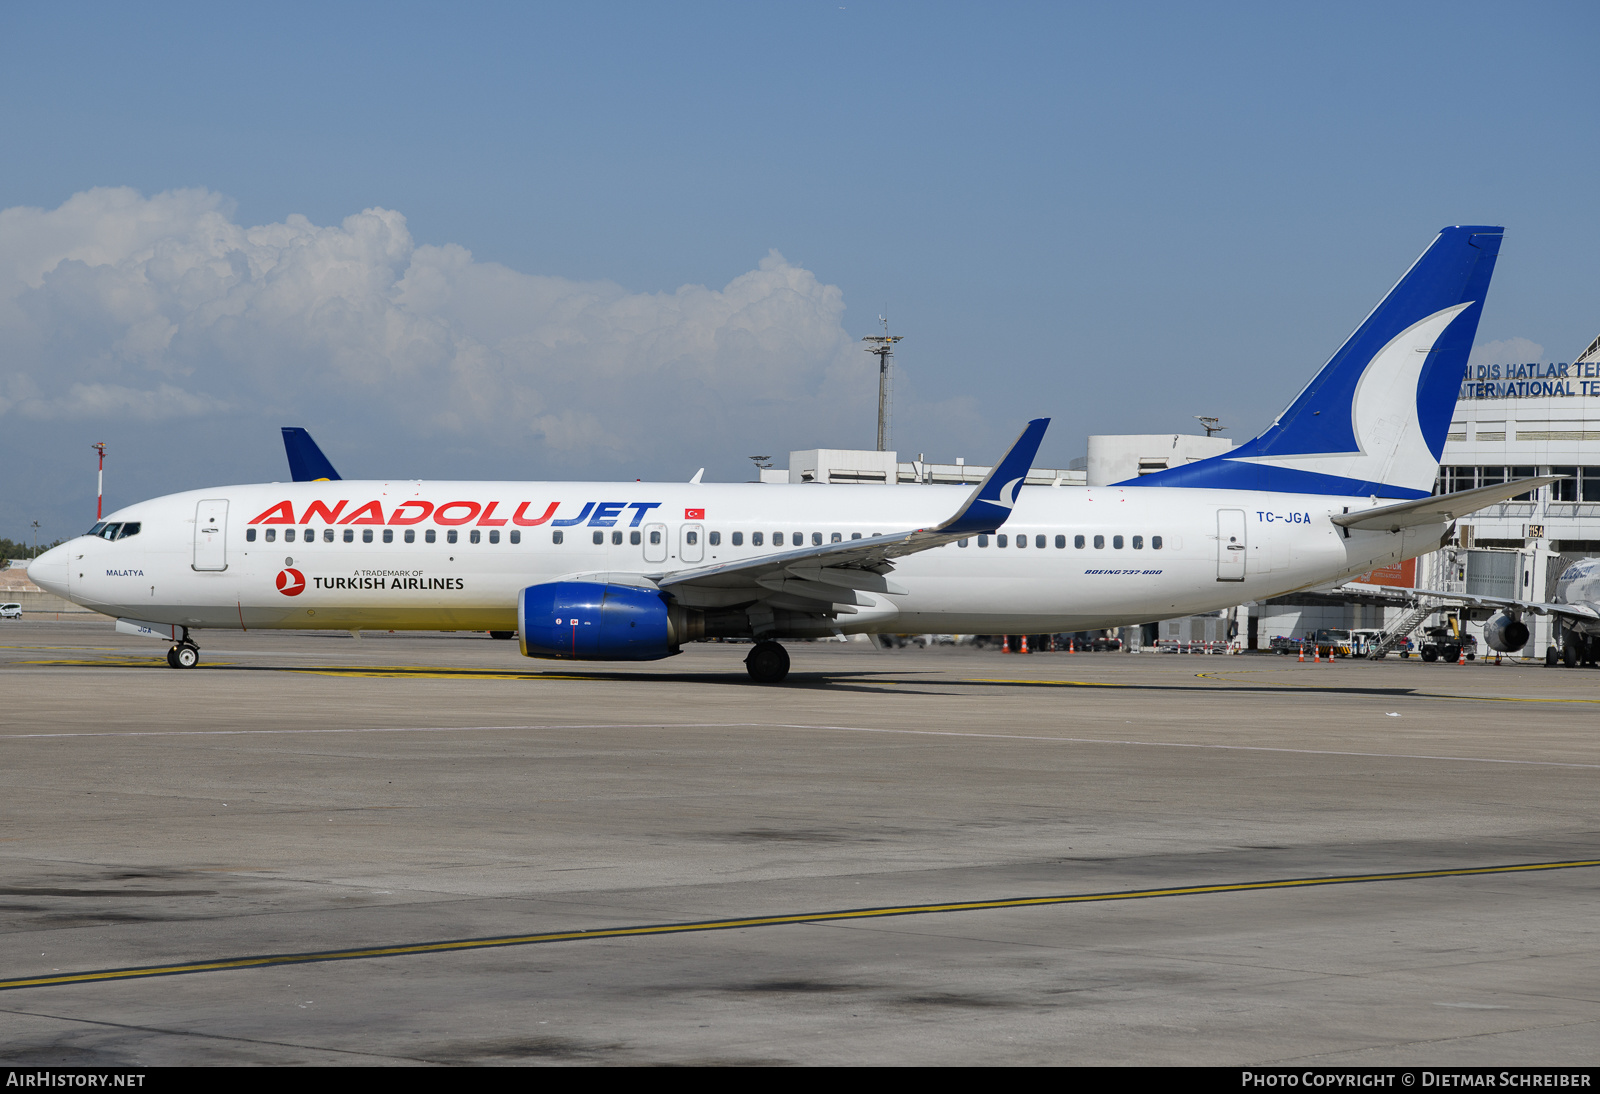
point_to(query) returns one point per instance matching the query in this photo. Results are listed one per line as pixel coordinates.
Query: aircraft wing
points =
(1569, 611)
(827, 578)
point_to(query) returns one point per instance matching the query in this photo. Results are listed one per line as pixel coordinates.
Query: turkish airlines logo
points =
(291, 582)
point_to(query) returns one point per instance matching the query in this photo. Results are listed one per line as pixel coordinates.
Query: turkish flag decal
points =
(694, 514)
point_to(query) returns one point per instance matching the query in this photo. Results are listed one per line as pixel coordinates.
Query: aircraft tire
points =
(1551, 656)
(767, 663)
(184, 656)
(1569, 651)
(172, 658)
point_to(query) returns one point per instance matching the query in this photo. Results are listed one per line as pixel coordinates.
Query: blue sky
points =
(1117, 215)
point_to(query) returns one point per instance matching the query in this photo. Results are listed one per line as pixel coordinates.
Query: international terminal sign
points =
(1534, 380)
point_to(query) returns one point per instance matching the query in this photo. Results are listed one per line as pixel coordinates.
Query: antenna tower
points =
(1212, 425)
(100, 480)
(883, 346)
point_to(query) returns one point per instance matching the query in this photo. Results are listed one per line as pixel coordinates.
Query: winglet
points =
(990, 504)
(306, 461)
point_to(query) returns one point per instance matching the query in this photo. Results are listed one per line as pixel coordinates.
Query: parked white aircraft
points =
(1576, 609)
(1337, 486)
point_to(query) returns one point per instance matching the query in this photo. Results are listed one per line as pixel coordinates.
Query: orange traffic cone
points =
(1024, 643)
(1005, 643)
(1302, 653)
(1316, 653)
(1072, 645)
(1462, 659)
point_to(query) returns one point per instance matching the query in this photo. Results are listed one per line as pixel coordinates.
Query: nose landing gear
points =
(768, 663)
(185, 654)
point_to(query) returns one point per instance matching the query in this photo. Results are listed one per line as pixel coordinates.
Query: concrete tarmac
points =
(314, 792)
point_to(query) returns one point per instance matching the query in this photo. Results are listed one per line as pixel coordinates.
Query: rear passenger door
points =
(1230, 545)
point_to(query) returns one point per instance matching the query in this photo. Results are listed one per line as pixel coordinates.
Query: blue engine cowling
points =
(595, 621)
(1505, 634)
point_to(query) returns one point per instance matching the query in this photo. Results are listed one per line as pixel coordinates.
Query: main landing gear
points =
(768, 663)
(185, 654)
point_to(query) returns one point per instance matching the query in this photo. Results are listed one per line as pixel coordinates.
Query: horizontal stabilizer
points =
(1437, 510)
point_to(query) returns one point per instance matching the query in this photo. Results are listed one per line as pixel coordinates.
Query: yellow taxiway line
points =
(843, 915)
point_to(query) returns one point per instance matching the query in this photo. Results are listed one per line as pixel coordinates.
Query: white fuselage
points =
(197, 563)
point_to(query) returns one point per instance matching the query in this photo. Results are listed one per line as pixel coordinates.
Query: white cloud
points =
(164, 308)
(1515, 351)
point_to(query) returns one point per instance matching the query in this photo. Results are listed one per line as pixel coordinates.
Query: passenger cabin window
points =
(1116, 543)
(777, 539)
(450, 536)
(557, 536)
(429, 536)
(288, 535)
(1099, 543)
(755, 539)
(1138, 543)
(1061, 542)
(855, 535)
(983, 541)
(714, 538)
(388, 535)
(411, 535)
(616, 538)
(249, 535)
(633, 537)
(1001, 540)
(494, 535)
(655, 538)
(516, 536)
(475, 536)
(272, 535)
(691, 537)
(962, 542)
(1038, 541)
(366, 535)
(1155, 543)
(599, 538)
(738, 539)
(349, 535)
(836, 538)
(1078, 542)
(327, 535)
(816, 539)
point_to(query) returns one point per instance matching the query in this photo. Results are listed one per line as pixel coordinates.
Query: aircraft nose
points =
(50, 571)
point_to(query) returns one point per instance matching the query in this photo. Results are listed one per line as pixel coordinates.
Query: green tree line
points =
(10, 549)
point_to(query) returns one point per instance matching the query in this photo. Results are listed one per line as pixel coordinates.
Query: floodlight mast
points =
(100, 483)
(883, 346)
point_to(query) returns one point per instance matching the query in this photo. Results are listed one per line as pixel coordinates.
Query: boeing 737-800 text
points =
(1338, 485)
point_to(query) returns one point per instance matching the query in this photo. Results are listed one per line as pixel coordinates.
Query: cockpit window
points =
(131, 528)
(110, 531)
(95, 531)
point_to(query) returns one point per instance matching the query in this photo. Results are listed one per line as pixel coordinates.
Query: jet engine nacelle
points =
(600, 621)
(1505, 634)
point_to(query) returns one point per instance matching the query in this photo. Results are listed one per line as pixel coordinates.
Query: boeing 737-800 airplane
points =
(1338, 485)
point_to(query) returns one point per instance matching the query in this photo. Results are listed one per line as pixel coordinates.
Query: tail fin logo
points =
(1384, 415)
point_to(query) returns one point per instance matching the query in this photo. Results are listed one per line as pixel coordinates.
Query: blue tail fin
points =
(306, 461)
(1373, 421)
